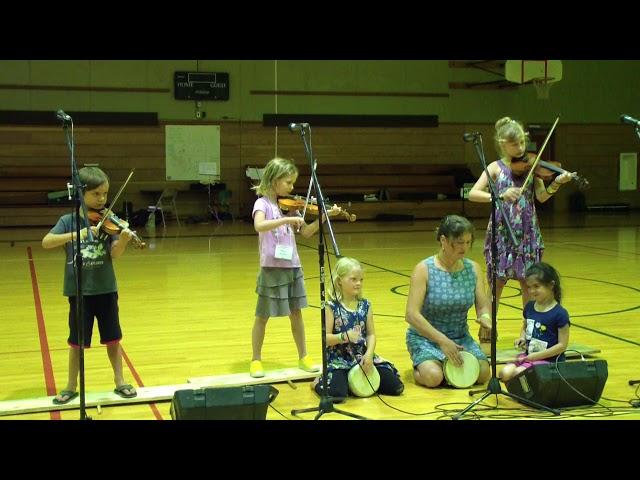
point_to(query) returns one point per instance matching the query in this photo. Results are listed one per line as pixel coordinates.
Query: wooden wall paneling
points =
(592, 150)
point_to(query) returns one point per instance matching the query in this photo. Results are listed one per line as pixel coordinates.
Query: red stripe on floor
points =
(134, 372)
(49, 378)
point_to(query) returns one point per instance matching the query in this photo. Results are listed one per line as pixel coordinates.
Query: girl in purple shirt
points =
(280, 283)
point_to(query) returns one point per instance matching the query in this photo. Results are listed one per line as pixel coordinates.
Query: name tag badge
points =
(284, 252)
(537, 345)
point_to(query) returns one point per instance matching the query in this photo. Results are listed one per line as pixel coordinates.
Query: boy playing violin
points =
(99, 287)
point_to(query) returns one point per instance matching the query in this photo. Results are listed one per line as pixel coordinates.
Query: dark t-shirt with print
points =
(542, 328)
(97, 274)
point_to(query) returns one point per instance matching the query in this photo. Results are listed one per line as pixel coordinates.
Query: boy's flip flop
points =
(123, 389)
(67, 395)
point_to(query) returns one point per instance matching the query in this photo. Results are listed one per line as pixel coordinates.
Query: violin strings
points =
(539, 155)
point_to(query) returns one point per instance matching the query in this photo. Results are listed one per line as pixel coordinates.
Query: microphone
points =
(63, 116)
(294, 127)
(630, 120)
(468, 137)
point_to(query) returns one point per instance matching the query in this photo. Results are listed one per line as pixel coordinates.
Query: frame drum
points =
(358, 383)
(465, 375)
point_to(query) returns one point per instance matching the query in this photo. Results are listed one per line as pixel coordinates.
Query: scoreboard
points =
(201, 86)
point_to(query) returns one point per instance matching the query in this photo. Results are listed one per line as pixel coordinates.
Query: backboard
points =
(526, 71)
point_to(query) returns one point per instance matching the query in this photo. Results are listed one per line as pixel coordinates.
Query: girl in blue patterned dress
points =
(351, 335)
(520, 208)
(442, 290)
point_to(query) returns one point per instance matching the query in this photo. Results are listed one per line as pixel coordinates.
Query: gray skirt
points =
(280, 291)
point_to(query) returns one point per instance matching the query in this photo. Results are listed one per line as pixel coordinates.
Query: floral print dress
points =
(512, 261)
(345, 355)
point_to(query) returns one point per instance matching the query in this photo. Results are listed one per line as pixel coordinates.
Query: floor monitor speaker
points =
(249, 402)
(570, 384)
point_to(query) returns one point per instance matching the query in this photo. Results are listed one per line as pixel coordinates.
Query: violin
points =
(298, 203)
(546, 171)
(113, 225)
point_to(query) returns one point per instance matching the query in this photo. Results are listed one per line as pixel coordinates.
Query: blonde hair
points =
(276, 169)
(508, 130)
(343, 267)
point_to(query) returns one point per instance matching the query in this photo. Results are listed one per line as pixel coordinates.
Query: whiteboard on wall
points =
(628, 172)
(192, 152)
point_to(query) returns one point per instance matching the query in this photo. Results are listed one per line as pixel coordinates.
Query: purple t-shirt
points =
(283, 235)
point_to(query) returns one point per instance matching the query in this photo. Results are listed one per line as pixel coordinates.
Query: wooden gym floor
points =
(187, 304)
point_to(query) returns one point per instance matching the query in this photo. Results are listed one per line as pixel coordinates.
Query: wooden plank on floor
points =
(152, 394)
(92, 399)
(507, 356)
(270, 376)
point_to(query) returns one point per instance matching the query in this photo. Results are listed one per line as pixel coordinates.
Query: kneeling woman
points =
(442, 290)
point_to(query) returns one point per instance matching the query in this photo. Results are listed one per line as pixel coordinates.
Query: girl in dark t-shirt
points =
(545, 329)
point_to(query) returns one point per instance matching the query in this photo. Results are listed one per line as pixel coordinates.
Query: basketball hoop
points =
(542, 85)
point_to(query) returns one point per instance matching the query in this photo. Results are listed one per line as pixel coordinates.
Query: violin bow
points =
(539, 155)
(306, 203)
(113, 202)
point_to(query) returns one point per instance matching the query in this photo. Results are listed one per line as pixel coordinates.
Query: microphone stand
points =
(636, 382)
(326, 401)
(493, 387)
(78, 194)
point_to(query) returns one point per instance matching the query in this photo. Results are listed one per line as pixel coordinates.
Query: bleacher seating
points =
(399, 191)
